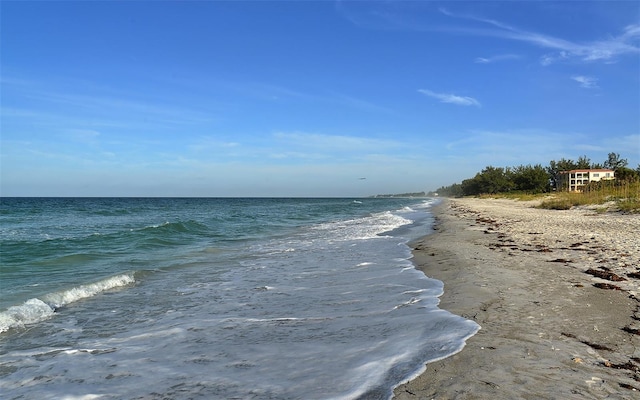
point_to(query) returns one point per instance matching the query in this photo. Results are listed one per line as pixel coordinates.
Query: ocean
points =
(216, 298)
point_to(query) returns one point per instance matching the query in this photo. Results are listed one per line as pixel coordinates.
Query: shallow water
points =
(216, 298)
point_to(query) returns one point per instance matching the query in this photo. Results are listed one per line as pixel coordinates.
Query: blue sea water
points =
(154, 298)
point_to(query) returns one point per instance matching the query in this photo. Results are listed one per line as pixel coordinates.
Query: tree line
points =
(534, 178)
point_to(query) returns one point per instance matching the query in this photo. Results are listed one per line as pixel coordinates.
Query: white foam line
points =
(36, 310)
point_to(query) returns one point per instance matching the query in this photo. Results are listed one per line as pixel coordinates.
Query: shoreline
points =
(555, 322)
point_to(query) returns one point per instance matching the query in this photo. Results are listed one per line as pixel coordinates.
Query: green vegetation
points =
(625, 196)
(527, 182)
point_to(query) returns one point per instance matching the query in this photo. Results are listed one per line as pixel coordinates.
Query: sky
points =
(307, 98)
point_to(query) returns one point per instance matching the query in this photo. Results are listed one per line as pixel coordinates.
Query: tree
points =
(536, 178)
(614, 162)
(495, 180)
(555, 167)
(533, 179)
(583, 163)
(490, 180)
(470, 187)
(454, 190)
(624, 174)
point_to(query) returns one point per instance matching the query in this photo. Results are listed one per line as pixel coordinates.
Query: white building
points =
(574, 180)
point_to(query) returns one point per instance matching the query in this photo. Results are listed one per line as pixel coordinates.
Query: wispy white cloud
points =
(605, 50)
(213, 144)
(586, 82)
(271, 92)
(336, 142)
(550, 58)
(496, 58)
(451, 98)
(296, 146)
(630, 143)
(166, 113)
(105, 106)
(268, 91)
(385, 15)
(533, 146)
(87, 136)
(298, 155)
(360, 104)
(479, 148)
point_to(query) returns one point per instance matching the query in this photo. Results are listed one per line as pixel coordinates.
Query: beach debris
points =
(487, 221)
(493, 385)
(561, 260)
(512, 246)
(627, 386)
(594, 381)
(610, 276)
(596, 346)
(626, 366)
(578, 360)
(631, 330)
(588, 343)
(607, 286)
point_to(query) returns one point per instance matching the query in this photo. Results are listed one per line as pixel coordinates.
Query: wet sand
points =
(557, 294)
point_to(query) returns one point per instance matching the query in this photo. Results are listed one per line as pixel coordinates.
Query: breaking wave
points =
(35, 310)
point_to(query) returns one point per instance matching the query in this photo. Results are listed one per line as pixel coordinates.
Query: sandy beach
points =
(557, 294)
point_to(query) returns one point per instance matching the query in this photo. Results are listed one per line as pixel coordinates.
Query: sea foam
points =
(36, 310)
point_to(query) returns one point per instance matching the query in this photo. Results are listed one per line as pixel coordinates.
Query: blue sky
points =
(284, 98)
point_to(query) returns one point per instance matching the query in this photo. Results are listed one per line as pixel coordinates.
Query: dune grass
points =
(613, 196)
(624, 195)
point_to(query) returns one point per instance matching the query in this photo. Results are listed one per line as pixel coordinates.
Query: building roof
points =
(586, 170)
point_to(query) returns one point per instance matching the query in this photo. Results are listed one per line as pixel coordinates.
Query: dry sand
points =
(547, 331)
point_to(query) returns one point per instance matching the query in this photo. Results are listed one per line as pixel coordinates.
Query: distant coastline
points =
(416, 194)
